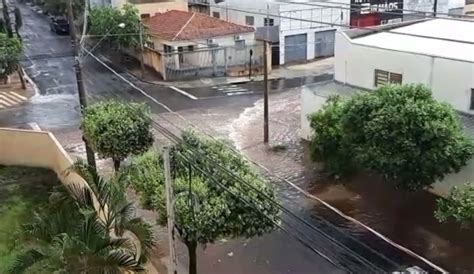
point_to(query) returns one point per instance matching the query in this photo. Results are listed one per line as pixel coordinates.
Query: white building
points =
(440, 56)
(189, 44)
(294, 38)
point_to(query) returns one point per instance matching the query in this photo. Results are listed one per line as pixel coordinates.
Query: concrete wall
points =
(36, 149)
(310, 103)
(152, 8)
(355, 65)
(333, 14)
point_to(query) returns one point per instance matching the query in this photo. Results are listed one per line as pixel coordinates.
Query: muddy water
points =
(405, 218)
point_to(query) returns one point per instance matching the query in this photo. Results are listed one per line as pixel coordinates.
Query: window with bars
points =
(383, 77)
(216, 14)
(249, 20)
(268, 22)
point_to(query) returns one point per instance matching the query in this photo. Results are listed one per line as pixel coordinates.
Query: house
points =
(189, 44)
(287, 25)
(438, 53)
(148, 8)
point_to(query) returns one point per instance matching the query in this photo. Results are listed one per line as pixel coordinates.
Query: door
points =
(295, 48)
(275, 54)
(324, 43)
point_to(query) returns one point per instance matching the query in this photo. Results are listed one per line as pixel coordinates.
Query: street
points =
(49, 63)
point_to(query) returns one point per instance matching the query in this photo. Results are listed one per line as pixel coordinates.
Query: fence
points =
(207, 62)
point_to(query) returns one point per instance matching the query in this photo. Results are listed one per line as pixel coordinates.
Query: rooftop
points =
(457, 43)
(182, 26)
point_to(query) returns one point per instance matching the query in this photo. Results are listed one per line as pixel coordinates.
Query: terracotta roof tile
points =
(177, 25)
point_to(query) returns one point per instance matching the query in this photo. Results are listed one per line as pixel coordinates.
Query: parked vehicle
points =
(59, 25)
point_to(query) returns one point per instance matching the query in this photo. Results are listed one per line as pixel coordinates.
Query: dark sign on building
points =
(366, 13)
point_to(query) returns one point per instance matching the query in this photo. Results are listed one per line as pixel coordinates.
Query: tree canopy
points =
(116, 130)
(459, 205)
(10, 52)
(106, 21)
(205, 209)
(400, 131)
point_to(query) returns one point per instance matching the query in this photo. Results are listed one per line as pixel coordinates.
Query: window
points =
(150, 44)
(471, 107)
(167, 48)
(190, 48)
(249, 20)
(145, 16)
(240, 44)
(267, 22)
(216, 14)
(384, 77)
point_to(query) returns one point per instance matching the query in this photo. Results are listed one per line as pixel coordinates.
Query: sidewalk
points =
(284, 72)
(12, 94)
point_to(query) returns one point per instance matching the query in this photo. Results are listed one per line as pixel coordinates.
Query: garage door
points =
(295, 48)
(324, 43)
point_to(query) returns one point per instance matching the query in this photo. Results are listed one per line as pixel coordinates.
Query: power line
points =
(279, 177)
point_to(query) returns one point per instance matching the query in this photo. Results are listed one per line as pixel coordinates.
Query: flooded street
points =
(405, 218)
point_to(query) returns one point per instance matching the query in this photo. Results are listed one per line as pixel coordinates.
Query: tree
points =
(106, 21)
(399, 131)
(459, 205)
(205, 211)
(328, 144)
(76, 235)
(403, 133)
(10, 52)
(116, 130)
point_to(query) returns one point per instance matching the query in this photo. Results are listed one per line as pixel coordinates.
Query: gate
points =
(296, 48)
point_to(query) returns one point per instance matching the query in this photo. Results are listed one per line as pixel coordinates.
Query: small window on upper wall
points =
(190, 48)
(382, 77)
(216, 14)
(471, 107)
(145, 16)
(249, 20)
(268, 22)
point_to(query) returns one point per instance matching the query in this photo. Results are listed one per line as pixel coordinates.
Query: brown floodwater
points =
(404, 217)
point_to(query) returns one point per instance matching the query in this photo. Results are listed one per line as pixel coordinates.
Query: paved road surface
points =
(49, 64)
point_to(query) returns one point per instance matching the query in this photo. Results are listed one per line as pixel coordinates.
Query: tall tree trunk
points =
(192, 246)
(22, 80)
(116, 164)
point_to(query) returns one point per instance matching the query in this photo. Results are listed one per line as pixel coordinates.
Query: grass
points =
(22, 189)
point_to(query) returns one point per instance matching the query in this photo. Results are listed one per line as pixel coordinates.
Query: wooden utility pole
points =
(265, 80)
(172, 268)
(435, 8)
(142, 52)
(80, 84)
(265, 92)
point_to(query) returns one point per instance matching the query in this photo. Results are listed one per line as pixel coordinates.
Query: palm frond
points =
(143, 231)
(26, 260)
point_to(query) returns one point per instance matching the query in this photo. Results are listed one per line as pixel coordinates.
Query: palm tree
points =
(87, 230)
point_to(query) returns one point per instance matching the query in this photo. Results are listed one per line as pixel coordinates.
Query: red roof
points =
(177, 25)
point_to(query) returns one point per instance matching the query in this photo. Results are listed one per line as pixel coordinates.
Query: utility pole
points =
(435, 8)
(265, 92)
(80, 84)
(172, 269)
(265, 81)
(142, 51)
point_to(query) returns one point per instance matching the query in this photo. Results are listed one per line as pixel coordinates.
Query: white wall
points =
(238, 17)
(310, 103)
(449, 80)
(312, 13)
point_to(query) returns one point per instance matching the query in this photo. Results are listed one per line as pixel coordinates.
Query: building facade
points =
(190, 45)
(443, 61)
(148, 8)
(298, 32)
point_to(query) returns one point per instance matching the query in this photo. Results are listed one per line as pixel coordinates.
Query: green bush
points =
(459, 205)
(328, 144)
(116, 130)
(399, 131)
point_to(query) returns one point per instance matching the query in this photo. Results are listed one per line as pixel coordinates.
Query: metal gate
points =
(324, 43)
(295, 48)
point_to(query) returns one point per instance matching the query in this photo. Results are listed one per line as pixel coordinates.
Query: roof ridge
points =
(184, 26)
